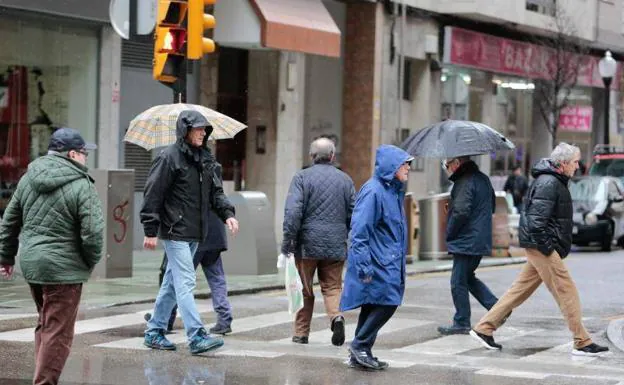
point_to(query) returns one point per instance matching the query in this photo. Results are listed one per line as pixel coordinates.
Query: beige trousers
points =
(552, 271)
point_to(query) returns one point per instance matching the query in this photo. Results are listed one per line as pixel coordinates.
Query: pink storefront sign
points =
(576, 119)
(500, 55)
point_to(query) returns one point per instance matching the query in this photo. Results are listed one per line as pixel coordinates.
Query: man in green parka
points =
(55, 217)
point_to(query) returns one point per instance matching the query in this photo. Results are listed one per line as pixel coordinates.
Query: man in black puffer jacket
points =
(546, 233)
(317, 218)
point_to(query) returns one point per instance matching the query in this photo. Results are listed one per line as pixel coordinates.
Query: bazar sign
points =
(576, 118)
(496, 54)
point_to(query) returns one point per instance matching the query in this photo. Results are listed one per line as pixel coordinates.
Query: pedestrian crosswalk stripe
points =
(247, 353)
(239, 326)
(6, 317)
(90, 325)
(323, 337)
(459, 343)
(512, 373)
(561, 354)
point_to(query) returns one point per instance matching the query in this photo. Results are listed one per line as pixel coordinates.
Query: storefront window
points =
(48, 79)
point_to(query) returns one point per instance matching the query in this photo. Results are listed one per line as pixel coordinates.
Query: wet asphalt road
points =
(534, 346)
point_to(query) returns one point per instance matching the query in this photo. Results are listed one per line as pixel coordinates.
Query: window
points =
(546, 7)
(407, 80)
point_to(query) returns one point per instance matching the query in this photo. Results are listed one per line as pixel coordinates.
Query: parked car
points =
(607, 160)
(598, 211)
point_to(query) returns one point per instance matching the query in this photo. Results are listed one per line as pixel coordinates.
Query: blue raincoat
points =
(378, 237)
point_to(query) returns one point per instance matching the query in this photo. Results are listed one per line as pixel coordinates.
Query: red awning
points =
(298, 25)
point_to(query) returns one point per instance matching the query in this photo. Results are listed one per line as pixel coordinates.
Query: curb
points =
(438, 269)
(615, 333)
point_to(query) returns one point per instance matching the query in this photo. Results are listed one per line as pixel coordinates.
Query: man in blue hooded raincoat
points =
(375, 278)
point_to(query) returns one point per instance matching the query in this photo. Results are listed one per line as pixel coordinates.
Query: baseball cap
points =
(66, 139)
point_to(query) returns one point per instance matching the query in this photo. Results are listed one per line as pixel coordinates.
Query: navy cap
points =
(66, 139)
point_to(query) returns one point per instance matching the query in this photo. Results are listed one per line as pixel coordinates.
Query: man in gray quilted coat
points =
(317, 219)
(55, 217)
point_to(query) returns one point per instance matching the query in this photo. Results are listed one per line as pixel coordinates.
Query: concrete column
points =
(362, 89)
(110, 134)
(488, 116)
(290, 123)
(541, 144)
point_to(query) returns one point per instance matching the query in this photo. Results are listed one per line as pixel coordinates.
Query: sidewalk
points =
(142, 287)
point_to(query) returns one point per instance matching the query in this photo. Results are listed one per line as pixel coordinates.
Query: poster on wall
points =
(576, 119)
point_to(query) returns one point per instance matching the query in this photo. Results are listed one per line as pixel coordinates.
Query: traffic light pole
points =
(179, 87)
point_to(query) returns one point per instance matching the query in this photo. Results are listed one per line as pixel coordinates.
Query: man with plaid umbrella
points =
(180, 191)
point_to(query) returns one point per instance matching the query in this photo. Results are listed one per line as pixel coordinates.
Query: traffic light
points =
(198, 22)
(169, 41)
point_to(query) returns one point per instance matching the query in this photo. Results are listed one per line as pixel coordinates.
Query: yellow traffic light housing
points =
(169, 41)
(198, 22)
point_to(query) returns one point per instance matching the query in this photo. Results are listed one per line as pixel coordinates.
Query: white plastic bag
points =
(294, 287)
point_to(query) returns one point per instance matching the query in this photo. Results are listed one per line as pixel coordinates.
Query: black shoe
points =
(355, 365)
(363, 359)
(486, 341)
(300, 339)
(338, 328)
(382, 364)
(451, 330)
(590, 350)
(219, 329)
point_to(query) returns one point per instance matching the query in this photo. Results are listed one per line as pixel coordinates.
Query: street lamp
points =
(607, 67)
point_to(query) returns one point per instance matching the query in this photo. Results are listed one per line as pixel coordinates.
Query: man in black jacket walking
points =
(546, 233)
(468, 238)
(317, 218)
(180, 191)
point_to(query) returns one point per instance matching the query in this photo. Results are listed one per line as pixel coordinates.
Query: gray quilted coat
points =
(318, 212)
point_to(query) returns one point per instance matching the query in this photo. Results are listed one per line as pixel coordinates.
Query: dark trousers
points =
(372, 319)
(464, 281)
(57, 306)
(212, 266)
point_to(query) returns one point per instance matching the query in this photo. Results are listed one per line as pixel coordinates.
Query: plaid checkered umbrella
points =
(156, 127)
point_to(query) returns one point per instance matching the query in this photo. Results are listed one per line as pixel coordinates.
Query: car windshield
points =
(607, 167)
(588, 189)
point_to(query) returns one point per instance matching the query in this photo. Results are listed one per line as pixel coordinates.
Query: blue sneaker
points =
(158, 341)
(202, 342)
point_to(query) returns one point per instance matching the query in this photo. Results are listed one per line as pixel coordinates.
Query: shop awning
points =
(289, 25)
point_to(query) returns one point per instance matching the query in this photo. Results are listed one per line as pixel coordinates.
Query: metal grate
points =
(140, 54)
(140, 160)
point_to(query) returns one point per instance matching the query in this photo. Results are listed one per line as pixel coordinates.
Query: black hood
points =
(191, 119)
(546, 167)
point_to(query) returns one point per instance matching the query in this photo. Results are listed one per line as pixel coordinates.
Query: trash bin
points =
(116, 191)
(254, 250)
(432, 231)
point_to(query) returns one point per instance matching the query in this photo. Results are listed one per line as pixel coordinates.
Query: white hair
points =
(322, 149)
(564, 152)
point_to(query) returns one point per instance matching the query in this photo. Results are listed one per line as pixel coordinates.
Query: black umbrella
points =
(454, 138)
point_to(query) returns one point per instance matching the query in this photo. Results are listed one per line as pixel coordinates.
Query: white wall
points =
(582, 12)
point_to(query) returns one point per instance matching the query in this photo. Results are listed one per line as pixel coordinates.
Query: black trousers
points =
(372, 319)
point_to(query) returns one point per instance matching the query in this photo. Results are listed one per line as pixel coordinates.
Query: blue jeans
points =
(463, 281)
(370, 321)
(177, 287)
(215, 275)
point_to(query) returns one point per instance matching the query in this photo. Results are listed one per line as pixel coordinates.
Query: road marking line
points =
(91, 325)
(239, 326)
(4, 317)
(512, 373)
(323, 337)
(455, 344)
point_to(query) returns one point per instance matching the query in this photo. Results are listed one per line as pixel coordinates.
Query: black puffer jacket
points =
(318, 212)
(182, 188)
(546, 223)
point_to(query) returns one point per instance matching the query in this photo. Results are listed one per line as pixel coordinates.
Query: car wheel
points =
(608, 239)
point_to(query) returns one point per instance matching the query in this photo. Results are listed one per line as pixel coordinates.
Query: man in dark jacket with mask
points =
(180, 191)
(546, 233)
(468, 238)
